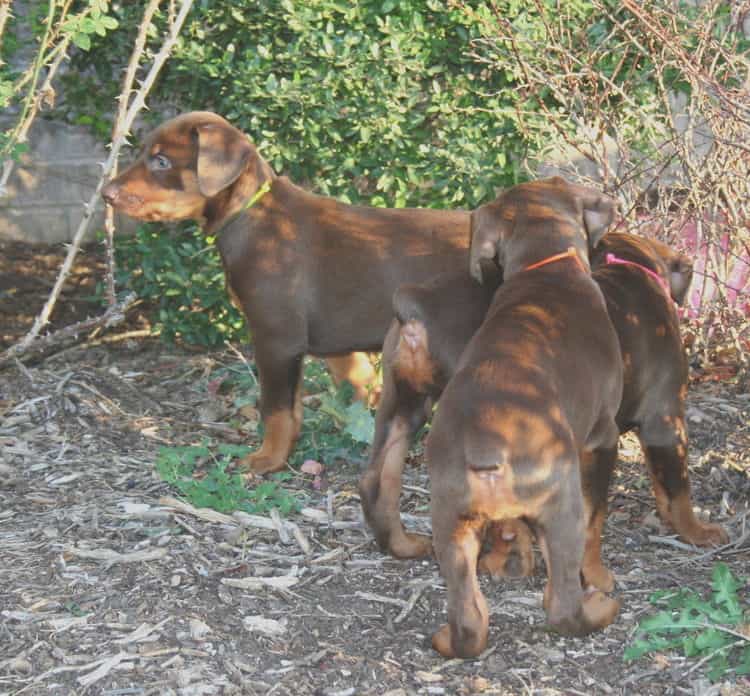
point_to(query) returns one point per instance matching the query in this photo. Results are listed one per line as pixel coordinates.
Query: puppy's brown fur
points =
(311, 275)
(446, 312)
(537, 387)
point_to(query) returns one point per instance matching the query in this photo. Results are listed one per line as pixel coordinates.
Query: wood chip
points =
(144, 632)
(268, 627)
(279, 582)
(113, 557)
(106, 666)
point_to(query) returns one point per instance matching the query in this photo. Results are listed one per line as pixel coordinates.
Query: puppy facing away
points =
(433, 323)
(311, 275)
(532, 403)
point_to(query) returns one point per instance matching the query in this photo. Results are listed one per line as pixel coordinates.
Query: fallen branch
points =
(114, 315)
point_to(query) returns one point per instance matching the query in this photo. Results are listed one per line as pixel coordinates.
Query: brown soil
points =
(108, 587)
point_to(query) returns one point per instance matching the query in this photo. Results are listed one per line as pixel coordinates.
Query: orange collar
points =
(570, 253)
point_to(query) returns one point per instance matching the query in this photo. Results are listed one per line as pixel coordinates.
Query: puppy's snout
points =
(110, 193)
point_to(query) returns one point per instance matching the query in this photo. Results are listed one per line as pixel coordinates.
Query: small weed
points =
(215, 487)
(715, 630)
(333, 426)
(240, 381)
(337, 428)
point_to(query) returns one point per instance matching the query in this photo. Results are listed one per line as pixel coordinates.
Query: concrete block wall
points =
(44, 198)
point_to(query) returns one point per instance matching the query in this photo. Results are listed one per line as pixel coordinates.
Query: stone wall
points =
(45, 196)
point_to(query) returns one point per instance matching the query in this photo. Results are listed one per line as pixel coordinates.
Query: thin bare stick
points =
(136, 105)
(117, 132)
(4, 15)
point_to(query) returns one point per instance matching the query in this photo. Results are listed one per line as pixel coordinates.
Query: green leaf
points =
(360, 423)
(83, 41)
(636, 650)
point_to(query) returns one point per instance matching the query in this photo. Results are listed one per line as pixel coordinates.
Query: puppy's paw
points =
(410, 545)
(598, 576)
(705, 534)
(595, 612)
(598, 611)
(258, 464)
(441, 641)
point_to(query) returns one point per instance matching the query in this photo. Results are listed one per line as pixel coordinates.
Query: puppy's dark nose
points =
(110, 193)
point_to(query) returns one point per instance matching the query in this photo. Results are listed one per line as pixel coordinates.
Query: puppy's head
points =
(184, 163)
(675, 267)
(531, 221)
(678, 269)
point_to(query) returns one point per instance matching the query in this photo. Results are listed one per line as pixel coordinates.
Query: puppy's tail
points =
(486, 451)
(407, 304)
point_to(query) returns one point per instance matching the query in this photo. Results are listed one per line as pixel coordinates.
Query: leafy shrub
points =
(180, 275)
(335, 428)
(374, 102)
(710, 629)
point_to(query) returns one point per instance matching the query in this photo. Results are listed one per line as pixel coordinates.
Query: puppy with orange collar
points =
(533, 399)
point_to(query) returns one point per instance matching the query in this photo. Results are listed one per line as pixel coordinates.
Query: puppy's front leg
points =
(281, 409)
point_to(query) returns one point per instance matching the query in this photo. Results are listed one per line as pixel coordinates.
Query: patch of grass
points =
(714, 630)
(199, 473)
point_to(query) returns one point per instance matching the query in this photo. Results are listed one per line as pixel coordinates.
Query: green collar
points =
(262, 191)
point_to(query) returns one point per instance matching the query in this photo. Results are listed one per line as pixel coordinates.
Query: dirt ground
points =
(108, 585)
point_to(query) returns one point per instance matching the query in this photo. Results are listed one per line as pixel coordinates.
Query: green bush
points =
(179, 274)
(375, 102)
(372, 102)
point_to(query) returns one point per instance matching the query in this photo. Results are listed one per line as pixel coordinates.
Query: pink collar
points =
(611, 258)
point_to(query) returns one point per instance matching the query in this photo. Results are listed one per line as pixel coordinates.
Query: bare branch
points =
(136, 105)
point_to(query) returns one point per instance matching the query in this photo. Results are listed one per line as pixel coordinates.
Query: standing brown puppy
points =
(536, 389)
(311, 275)
(641, 279)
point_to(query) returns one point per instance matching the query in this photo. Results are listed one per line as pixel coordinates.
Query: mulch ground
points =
(111, 585)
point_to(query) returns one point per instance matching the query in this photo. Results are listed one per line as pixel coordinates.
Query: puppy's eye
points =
(160, 162)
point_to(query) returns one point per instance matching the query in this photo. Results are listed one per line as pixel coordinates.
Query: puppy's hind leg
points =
(457, 544)
(358, 370)
(664, 443)
(560, 530)
(401, 413)
(596, 473)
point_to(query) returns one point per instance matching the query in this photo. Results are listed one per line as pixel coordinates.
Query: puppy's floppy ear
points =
(223, 153)
(680, 276)
(598, 211)
(485, 240)
(598, 214)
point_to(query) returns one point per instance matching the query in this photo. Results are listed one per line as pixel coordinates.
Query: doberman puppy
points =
(534, 396)
(641, 279)
(311, 275)
(433, 323)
